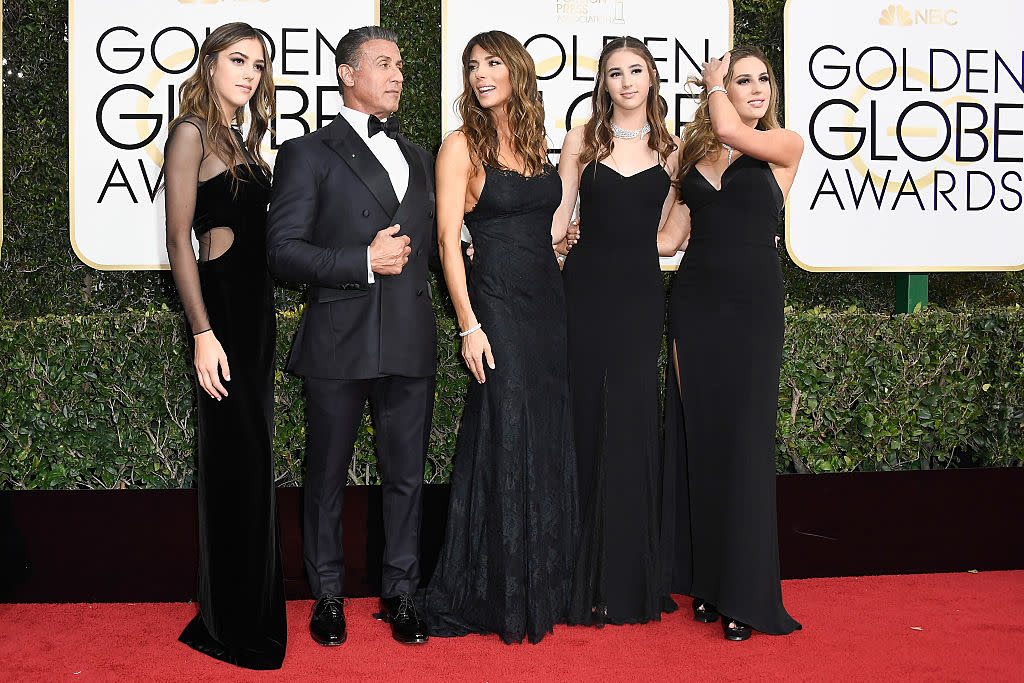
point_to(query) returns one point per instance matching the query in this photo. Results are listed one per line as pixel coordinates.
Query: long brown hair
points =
(524, 108)
(196, 97)
(699, 138)
(597, 134)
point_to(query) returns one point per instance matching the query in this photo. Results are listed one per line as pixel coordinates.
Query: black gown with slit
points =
(615, 295)
(726, 327)
(241, 617)
(507, 560)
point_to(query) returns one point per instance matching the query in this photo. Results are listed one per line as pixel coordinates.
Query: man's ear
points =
(345, 73)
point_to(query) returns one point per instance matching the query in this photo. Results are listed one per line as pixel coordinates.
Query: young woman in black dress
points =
(217, 185)
(507, 559)
(726, 328)
(621, 164)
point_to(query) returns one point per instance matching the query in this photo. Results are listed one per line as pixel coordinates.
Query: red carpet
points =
(933, 627)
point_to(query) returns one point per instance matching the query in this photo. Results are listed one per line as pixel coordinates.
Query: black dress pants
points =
(402, 408)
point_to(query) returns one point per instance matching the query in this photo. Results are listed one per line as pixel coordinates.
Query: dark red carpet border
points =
(931, 627)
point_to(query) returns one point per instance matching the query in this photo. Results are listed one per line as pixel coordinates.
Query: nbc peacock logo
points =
(896, 15)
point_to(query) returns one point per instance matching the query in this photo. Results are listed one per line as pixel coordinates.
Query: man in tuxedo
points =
(352, 215)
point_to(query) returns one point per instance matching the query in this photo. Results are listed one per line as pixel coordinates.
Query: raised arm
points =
(569, 171)
(453, 172)
(777, 146)
(183, 155)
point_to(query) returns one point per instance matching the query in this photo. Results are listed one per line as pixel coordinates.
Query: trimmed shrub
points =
(107, 401)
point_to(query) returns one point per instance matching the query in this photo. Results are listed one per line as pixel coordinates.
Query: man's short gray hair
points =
(351, 45)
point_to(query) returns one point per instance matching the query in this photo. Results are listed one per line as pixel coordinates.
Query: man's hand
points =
(388, 252)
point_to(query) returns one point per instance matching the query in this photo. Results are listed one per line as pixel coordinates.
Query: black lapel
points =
(417, 179)
(350, 147)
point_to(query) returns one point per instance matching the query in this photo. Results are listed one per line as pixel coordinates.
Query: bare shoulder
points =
(457, 140)
(454, 154)
(573, 142)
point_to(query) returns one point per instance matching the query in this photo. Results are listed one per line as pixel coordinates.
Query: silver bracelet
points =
(470, 330)
(717, 88)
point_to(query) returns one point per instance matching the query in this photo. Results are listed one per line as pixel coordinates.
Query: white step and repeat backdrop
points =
(565, 38)
(913, 125)
(124, 70)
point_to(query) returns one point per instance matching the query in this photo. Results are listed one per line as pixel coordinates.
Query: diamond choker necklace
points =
(630, 134)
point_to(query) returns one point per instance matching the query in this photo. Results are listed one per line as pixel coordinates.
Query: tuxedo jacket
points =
(330, 197)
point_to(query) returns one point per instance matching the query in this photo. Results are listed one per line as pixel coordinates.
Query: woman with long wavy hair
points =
(621, 164)
(217, 186)
(507, 560)
(726, 327)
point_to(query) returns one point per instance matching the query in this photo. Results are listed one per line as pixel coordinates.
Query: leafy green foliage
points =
(112, 404)
(867, 392)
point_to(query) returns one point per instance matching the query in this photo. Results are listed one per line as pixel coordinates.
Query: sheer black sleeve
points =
(183, 155)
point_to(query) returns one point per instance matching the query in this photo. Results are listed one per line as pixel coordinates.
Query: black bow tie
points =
(390, 127)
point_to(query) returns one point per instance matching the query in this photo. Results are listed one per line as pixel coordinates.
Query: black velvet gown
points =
(615, 295)
(507, 560)
(726, 325)
(241, 617)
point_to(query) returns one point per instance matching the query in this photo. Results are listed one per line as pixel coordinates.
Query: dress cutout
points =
(241, 616)
(615, 295)
(726, 323)
(507, 560)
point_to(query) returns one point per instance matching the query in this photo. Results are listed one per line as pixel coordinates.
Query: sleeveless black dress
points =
(507, 560)
(726, 324)
(616, 309)
(241, 616)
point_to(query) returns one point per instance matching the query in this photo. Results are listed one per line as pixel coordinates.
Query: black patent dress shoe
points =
(327, 622)
(406, 625)
(735, 630)
(704, 612)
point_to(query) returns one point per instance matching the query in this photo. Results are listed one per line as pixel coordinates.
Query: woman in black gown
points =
(621, 162)
(726, 328)
(217, 185)
(507, 560)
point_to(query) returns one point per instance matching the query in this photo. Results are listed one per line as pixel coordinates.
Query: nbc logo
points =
(898, 15)
(895, 15)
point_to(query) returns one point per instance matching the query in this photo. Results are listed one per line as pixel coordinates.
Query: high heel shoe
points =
(704, 612)
(738, 631)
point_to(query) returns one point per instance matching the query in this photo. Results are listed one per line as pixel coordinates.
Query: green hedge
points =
(111, 404)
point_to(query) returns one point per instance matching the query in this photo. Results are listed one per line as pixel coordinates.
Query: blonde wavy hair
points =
(524, 108)
(597, 134)
(196, 97)
(698, 137)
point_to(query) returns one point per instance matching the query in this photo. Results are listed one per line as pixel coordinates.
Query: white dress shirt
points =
(388, 154)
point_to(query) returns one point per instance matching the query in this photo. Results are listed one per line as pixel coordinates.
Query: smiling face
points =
(235, 73)
(750, 89)
(489, 77)
(374, 86)
(627, 79)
